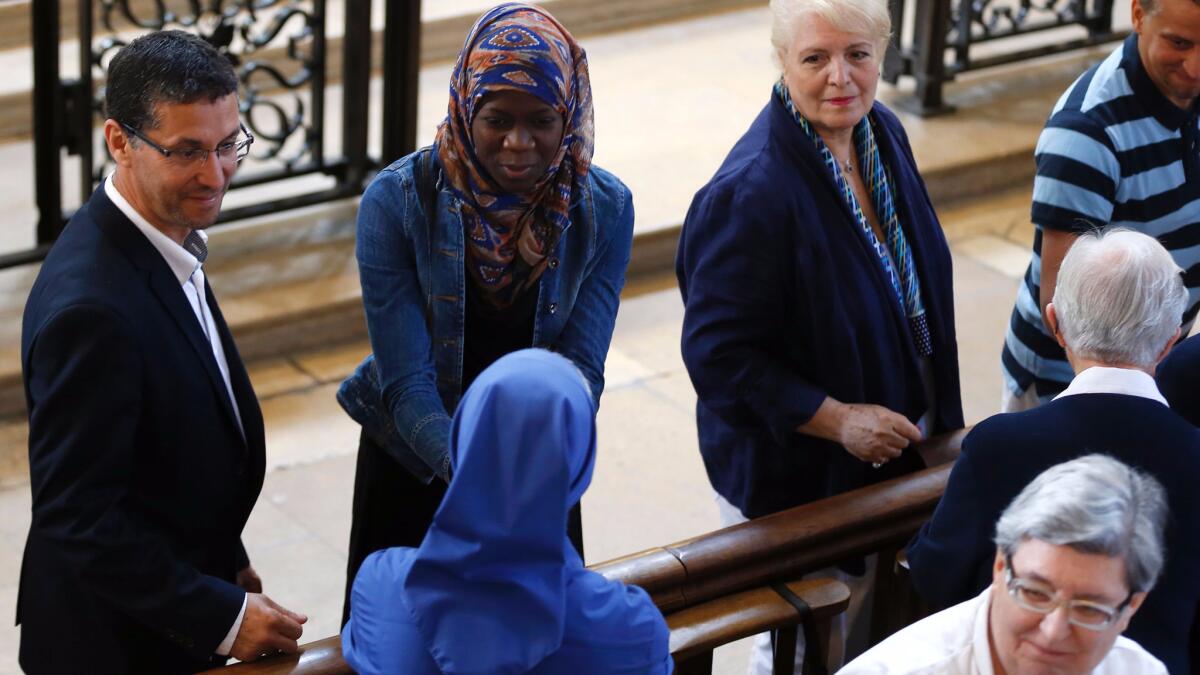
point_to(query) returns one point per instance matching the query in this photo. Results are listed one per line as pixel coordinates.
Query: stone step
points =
(287, 281)
(442, 17)
(989, 237)
(444, 26)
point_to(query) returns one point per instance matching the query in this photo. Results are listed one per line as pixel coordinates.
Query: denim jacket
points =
(413, 275)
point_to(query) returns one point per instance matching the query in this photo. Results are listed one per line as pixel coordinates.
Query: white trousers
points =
(848, 632)
(1010, 402)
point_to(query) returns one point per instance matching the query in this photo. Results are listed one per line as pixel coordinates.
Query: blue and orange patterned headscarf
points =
(516, 47)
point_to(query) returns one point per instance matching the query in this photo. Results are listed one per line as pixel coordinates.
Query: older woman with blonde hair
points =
(819, 324)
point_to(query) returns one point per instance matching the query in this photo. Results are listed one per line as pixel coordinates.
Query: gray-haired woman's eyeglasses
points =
(1042, 599)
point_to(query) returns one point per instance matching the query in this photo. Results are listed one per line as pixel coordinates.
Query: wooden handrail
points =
(323, 657)
(695, 631)
(784, 545)
(709, 625)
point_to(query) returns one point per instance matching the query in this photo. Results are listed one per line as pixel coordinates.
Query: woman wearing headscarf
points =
(496, 587)
(500, 236)
(819, 320)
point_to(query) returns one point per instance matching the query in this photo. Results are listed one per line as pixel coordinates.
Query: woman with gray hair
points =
(1084, 537)
(1096, 505)
(819, 322)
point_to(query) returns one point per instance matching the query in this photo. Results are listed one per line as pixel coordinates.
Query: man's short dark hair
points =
(169, 66)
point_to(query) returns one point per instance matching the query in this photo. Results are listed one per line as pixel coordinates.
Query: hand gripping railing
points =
(715, 588)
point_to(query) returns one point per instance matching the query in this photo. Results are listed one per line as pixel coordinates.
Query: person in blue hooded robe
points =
(496, 586)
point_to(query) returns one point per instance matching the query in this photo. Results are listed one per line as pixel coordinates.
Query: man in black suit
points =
(1178, 377)
(1116, 312)
(146, 449)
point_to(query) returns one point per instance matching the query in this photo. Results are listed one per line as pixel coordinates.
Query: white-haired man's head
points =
(1119, 300)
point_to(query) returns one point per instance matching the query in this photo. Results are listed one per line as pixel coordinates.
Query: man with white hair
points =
(1120, 147)
(1116, 313)
(1075, 555)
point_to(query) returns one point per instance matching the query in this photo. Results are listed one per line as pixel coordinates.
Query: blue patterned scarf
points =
(904, 279)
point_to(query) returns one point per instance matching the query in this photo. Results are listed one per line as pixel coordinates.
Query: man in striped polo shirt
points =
(1120, 147)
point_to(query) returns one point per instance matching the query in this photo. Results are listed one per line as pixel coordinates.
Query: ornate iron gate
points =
(282, 56)
(941, 25)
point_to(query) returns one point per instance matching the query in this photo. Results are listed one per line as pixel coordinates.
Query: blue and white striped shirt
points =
(1114, 151)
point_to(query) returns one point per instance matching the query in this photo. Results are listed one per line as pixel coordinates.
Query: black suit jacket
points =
(951, 557)
(141, 479)
(1177, 378)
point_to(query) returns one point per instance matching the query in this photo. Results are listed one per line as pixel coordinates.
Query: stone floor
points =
(670, 100)
(649, 487)
(664, 137)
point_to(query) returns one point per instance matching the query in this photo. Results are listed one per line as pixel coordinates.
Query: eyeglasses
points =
(194, 157)
(1037, 598)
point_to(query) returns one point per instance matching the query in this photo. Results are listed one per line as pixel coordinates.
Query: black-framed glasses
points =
(1042, 599)
(233, 151)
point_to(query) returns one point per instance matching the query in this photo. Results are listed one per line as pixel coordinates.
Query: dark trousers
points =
(393, 508)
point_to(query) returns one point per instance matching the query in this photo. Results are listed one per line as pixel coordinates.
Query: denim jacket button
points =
(553, 263)
(553, 307)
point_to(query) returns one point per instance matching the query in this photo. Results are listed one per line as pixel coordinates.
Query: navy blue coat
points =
(1178, 376)
(787, 303)
(141, 480)
(951, 557)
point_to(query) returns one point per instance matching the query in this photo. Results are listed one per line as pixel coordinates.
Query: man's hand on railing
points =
(267, 629)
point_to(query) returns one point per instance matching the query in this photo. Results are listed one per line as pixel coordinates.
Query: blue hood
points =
(496, 586)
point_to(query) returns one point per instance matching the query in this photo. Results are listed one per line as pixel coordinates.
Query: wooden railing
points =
(698, 630)
(789, 543)
(713, 589)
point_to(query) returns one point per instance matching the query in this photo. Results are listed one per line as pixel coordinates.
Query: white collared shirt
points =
(190, 273)
(1106, 380)
(955, 642)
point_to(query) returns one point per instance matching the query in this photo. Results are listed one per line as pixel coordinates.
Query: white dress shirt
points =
(190, 273)
(1105, 380)
(955, 642)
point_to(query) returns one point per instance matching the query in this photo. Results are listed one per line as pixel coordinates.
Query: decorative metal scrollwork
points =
(942, 36)
(274, 46)
(989, 19)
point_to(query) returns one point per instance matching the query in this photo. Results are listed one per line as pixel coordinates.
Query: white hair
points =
(869, 18)
(1097, 505)
(1119, 298)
